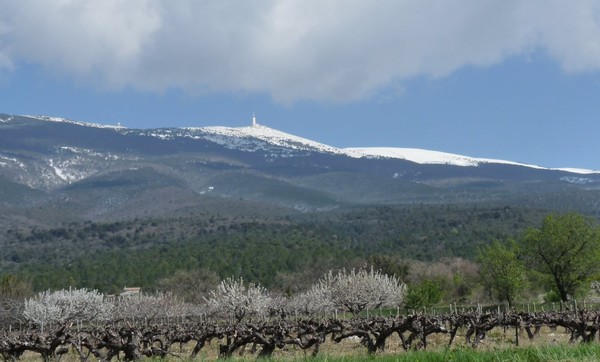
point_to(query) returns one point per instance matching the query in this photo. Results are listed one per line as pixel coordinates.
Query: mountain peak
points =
(271, 136)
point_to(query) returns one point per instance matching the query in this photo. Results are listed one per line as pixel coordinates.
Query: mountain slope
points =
(90, 171)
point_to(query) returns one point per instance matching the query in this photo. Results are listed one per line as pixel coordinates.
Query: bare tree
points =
(67, 305)
(234, 298)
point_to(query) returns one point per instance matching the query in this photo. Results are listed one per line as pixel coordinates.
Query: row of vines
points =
(132, 341)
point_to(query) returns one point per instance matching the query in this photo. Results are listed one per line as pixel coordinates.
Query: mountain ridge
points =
(137, 172)
(280, 138)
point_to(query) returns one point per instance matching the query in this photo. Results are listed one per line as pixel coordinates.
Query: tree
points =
(192, 286)
(66, 306)
(315, 301)
(390, 266)
(150, 307)
(566, 249)
(13, 287)
(501, 271)
(13, 290)
(356, 290)
(233, 298)
(424, 294)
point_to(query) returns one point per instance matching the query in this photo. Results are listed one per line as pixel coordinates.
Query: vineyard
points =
(363, 311)
(133, 340)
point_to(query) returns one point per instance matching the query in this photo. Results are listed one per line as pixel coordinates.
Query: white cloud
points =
(570, 32)
(5, 61)
(327, 50)
(89, 38)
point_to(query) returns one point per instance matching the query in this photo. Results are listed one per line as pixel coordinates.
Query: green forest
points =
(278, 252)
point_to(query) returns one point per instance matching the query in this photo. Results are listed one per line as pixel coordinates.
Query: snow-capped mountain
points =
(234, 138)
(248, 139)
(245, 139)
(119, 165)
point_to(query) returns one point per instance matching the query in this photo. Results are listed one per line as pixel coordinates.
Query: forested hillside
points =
(274, 251)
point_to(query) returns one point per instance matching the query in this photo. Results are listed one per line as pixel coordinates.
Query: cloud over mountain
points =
(330, 50)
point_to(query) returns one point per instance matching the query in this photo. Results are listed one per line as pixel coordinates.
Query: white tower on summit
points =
(253, 120)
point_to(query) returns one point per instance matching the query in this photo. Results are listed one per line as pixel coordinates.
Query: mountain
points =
(53, 169)
(98, 206)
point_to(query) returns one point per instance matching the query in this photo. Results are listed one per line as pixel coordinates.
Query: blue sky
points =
(514, 80)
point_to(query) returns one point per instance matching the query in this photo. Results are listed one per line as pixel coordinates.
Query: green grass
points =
(578, 352)
(562, 353)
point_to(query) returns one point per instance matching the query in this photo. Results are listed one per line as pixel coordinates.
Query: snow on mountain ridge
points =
(422, 156)
(274, 137)
(242, 138)
(435, 157)
(79, 123)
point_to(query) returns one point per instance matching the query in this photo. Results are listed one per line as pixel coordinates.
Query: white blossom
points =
(152, 306)
(67, 305)
(233, 298)
(352, 291)
(315, 301)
